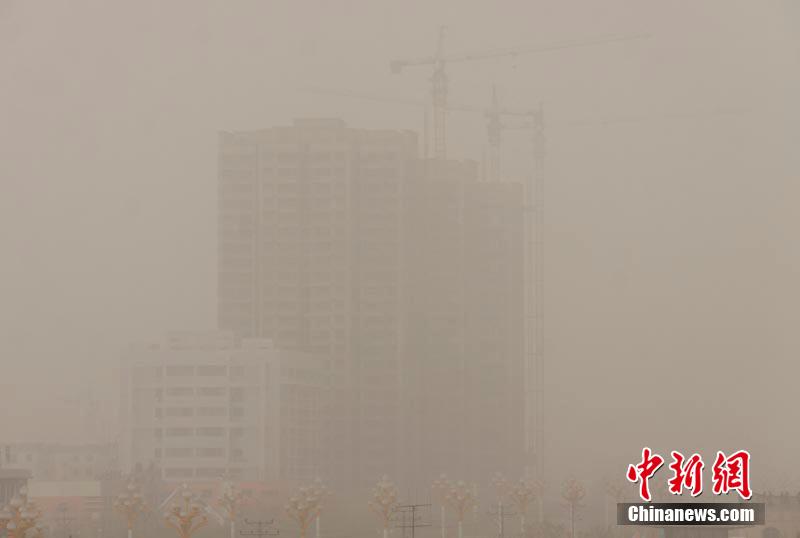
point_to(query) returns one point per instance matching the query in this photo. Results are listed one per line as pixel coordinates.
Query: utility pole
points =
(534, 229)
(262, 528)
(412, 522)
(501, 514)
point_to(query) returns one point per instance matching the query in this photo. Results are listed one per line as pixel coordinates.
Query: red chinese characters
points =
(732, 473)
(729, 473)
(644, 471)
(686, 473)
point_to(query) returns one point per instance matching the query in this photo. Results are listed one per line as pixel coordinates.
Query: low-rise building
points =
(61, 462)
(782, 513)
(205, 405)
(11, 482)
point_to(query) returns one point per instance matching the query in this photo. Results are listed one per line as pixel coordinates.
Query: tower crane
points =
(418, 103)
(439, 81)
(493, 115)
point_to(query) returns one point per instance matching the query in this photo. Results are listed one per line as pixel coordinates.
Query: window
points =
(178, 473)
(211, 391)
(211, 370)
(179, 432)
(215, 452)
(180, 371)
(210, 473)
(179, 412)
(178, 452)
(211, 412)
(210, 432)
(180, 391)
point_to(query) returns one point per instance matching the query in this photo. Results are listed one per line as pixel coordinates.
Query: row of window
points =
(203, 472)
(203, 452)
(234, 412)
(236, 433)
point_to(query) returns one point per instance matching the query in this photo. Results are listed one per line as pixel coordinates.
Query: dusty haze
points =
(671, 247)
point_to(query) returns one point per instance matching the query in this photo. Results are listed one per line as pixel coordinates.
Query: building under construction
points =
(407, 272)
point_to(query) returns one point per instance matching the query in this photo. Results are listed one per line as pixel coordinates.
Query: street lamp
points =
(306, 506)
(230, 499)
(130, 504)
(461, 497)
(384, 502)
(615, 492)
(572, 492)
(186, 515)
(502, 489)
(522, 494)
(440, 488)
(20, 516)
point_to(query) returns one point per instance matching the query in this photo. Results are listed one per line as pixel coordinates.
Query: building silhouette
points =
(406, 272)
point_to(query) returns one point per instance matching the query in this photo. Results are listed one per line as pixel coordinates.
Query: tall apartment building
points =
(203, 405)
(464, 321)
(406, 273)
(310, 246)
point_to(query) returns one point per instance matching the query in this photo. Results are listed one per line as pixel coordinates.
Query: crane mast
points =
(439, 79)
(533, 211)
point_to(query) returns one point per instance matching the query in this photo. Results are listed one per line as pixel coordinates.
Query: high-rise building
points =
(310, 246)
(405, 272)
(463, 328)
(201, 405)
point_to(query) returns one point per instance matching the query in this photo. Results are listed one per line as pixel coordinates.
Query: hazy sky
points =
(672, 252)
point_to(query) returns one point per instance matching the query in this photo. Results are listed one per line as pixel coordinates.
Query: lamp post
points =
(186, 515)
(572, 492)
(522, 494)
(306, 506)
(616, 493)
(20, 516)
(130, 504)
(384, 502)
(230, 499)
(462, 498)
(440, 488)
(502, 488)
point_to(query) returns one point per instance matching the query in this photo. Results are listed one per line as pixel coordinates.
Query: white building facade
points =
(200, 406)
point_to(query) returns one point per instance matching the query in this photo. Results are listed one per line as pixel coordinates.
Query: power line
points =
(409, 518)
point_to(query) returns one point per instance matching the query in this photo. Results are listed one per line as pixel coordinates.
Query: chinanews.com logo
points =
(729, 474)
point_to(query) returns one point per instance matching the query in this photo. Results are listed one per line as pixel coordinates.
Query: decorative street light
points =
(572, 492)
(461, 497)
(130, 504)
(306, 506)
(616, 492)
(502, 488)
(230, 499)
(20, 516)
(440, 488)
(384, 502)
(186, 515)
(522, 494)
